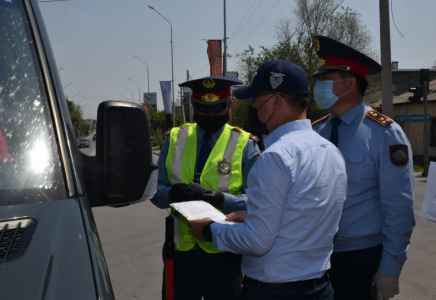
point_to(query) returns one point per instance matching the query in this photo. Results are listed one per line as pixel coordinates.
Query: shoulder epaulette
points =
(254, 138)
(321, 119)
(379, 118)
(167, 133)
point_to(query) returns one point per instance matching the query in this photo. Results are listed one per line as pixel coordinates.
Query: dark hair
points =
(362, 83)
(298, 102)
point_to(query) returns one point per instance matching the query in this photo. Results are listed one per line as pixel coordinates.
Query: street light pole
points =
(72, 99)
(225, 43)
(148, 77)
(81, 101)
(172, 67)
(133, 98)
(139, 91)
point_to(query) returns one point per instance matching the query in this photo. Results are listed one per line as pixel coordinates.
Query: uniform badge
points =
(224, 168)
(276, 79)
(210, 98)
(208, 83)
(316, 44)
(321, 63)
(399, 155)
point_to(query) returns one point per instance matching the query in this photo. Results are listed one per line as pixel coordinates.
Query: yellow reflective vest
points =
(180, 165)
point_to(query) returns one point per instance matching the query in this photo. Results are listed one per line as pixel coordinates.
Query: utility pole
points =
(385, 47)
(225, 43)
(182, 105)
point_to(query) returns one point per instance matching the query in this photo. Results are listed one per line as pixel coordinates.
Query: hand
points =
(237, 216)
(182, 192)
(179, 193)
(197, 227)
(387, 286)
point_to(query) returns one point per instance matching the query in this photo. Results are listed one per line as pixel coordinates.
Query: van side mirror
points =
(122, 172)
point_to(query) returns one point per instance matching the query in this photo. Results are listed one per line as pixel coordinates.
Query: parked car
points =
(84, 143)
(94, 137)
(49, 243)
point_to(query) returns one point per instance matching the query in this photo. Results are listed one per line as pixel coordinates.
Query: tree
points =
(80, 127)
(157, 138)
(295, 34)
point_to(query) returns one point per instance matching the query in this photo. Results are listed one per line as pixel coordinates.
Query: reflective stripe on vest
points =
(180, 165)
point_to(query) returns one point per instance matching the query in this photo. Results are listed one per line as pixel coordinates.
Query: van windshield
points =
(30, 168)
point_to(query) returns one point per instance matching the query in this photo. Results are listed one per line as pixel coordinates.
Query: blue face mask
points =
(324, 95)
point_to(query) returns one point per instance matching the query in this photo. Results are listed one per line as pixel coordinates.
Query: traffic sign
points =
(412, 118)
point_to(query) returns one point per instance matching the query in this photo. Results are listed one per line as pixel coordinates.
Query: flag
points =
(214, 53)
(165, 86)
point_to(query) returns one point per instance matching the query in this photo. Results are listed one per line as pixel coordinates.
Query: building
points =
(403, 79)
(414, 129)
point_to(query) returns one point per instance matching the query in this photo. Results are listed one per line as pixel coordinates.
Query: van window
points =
(30, 168)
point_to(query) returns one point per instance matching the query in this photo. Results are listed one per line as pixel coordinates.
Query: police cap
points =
(211, 94)
(336, 56)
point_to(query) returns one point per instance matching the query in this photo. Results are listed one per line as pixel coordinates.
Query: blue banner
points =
(165, 86)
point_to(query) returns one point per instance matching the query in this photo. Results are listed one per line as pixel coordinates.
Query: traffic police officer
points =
(209, 161)
(378, 219)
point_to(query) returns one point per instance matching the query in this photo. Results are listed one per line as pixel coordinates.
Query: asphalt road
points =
(132, 239)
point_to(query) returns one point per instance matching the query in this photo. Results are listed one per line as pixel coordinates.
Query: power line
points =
(245, 23)
(392, 12)
(231, 36)
(256, 27)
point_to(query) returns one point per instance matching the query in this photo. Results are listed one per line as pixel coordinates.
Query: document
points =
(193, 210)
(428, 210)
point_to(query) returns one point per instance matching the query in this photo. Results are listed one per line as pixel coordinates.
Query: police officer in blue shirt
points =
(378, 219)
(209, 161)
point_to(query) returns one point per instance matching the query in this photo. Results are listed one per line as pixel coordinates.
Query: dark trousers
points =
(351, 272)
(321, 292)
(199, 274)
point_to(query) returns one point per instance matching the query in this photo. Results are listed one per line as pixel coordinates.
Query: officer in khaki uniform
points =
(209, 161)
(377, 220)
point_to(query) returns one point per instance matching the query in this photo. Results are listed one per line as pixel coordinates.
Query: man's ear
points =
(352, 82)
(279, 100)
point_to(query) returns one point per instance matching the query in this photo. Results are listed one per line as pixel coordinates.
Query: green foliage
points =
(157, 119)
(418, 168)
(80, 128)
(294, 40)
(157, 138)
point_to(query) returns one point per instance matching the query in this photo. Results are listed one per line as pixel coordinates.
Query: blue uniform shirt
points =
(380, 197)
(231, 202)
(296, 191)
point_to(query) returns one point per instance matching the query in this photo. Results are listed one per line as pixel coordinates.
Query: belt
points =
(294, 285)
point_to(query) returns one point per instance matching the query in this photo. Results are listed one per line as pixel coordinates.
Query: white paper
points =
(428, 210)
(193, 210)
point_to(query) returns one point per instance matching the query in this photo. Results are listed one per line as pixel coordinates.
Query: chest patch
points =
(399, 155)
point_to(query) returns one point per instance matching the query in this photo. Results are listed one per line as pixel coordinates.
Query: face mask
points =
(324, 95)
(254, 118)
(211, 124)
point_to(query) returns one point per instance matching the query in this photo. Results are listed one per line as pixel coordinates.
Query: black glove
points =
(181, 192)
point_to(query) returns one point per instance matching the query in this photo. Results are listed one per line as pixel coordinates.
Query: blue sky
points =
(94, 40)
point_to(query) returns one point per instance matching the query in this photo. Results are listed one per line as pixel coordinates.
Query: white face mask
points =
(324, 95)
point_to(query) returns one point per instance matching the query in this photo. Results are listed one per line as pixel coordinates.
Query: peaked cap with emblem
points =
(211, 90)
(277, 75)
(337, 56)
